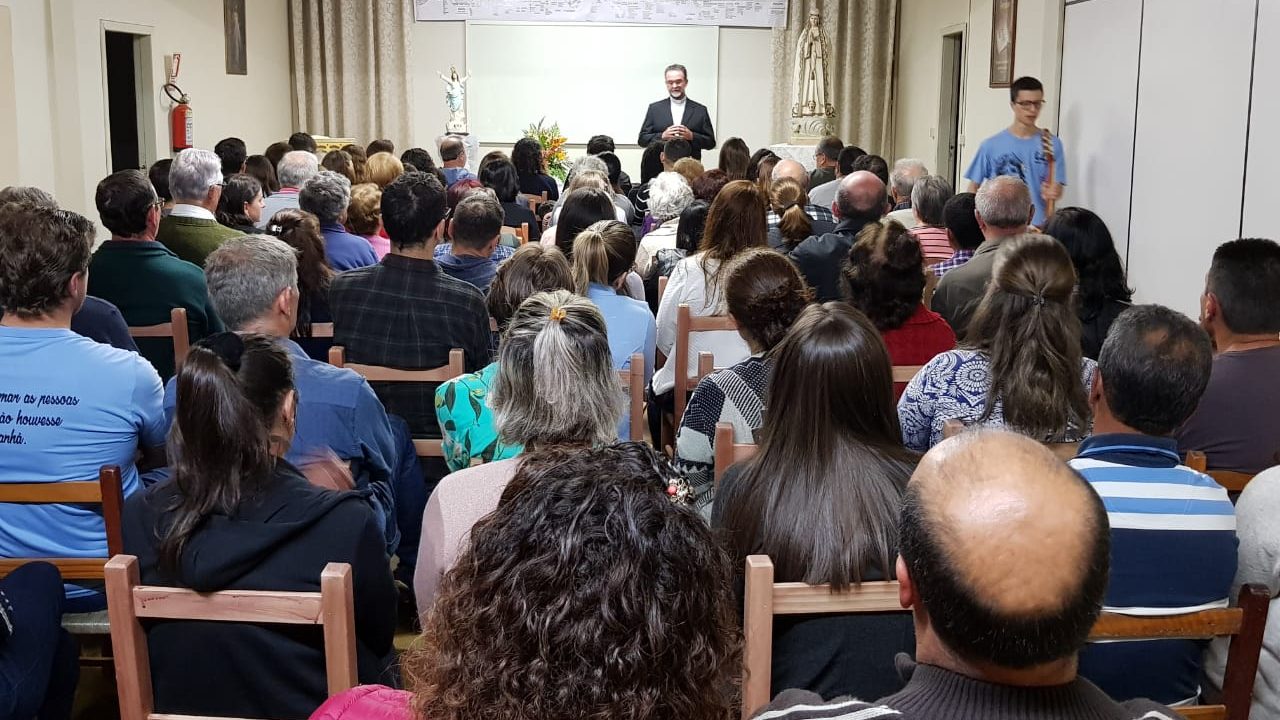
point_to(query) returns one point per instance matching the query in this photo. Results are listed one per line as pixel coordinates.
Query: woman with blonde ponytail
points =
(603, 254)
(237, 516)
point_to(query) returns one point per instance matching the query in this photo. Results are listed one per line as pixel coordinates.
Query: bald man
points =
(860, 200)
(821, 219)
(1004, 561)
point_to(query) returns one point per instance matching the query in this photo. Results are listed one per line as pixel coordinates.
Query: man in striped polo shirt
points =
(1173, 530)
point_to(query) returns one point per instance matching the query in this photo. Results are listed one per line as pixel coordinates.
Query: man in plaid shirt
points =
(962, 226)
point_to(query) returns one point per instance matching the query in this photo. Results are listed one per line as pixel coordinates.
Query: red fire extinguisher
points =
(180, 118)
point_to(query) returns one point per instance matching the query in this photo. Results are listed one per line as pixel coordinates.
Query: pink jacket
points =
(367, 702)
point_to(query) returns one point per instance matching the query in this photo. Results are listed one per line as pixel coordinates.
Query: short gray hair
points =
(904, 175)
(556, 383)
(245, 276)
(296, 168)
(929, 197)
(588, 162)
(326, 196)
(192, 173)
(1004, 202)
(669, 195)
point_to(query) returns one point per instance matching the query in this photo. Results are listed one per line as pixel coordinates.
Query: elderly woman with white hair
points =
(555, 387)
(327, 196)
(669, 195)
(191, 230)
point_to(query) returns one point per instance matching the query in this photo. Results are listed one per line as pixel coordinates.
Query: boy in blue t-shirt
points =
(1019, 150)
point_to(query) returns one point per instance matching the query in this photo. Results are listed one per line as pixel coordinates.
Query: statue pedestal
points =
(811, 128)
(800, 152)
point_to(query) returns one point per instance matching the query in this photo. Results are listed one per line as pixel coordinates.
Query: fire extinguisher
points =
(180, 118)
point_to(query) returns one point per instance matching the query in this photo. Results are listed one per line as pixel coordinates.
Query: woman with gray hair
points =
(928, 199)
(555, 387)
(327, 196)
(669, 195)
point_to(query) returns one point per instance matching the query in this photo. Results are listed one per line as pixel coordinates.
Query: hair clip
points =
(1038, 299)
(228, 346)
(679, 491)
(275, 229)
(558, 313)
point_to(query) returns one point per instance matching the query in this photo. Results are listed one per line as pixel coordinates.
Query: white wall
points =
(61, 108)
(984, 110)
(745, 88)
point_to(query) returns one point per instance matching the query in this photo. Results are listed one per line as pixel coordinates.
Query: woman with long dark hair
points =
(237, 516)
(821, 498)
(301, 230)
(501, 176)
(1102, 292)
(1020, 365)
(735, 158)
(261, 169)
(240, 206)
(526, 155)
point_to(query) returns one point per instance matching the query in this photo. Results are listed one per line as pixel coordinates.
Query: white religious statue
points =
(812, 113)
(455, 95)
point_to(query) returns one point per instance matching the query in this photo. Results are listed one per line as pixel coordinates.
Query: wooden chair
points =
(128, 602)
(535, 200)
(322, 330)
(686, 325)
(728, 452)
(176, 329)
(1063, 450)
(521, 232)
(905, 373)
(632, 380)
(764, 598)
(105, 491)
(662, 287)
(425, 447)
(1231, 480)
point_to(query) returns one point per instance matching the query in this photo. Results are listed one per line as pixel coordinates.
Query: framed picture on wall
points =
(1004, 34)
(233, 28)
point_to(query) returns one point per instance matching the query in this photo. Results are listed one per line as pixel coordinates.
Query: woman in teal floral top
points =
(462, 407)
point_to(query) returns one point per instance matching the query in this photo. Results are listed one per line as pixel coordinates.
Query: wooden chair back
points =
(1231, 480)
(521, 232)
(1063, 450)
(728, 452)
(686, 325)
(764, 598)
(129, 602)
(176, 329)
(105, 491)
(535, 200)
(632, 380)
(662, 287)
(322, 330)
(905, 374)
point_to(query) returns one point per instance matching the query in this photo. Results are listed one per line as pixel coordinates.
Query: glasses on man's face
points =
(1030, 104)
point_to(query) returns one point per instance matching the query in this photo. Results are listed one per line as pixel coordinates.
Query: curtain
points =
(863, 36)
(351, 65)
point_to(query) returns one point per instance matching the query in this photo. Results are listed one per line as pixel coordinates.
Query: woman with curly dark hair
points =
(534, 180)
(588, 593)
(301, 230)
(1103, 292)
(884, 278)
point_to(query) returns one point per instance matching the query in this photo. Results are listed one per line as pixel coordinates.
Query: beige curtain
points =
(351, 65)
(860, 73)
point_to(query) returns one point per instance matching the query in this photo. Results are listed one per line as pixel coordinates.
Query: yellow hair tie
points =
(558, 313)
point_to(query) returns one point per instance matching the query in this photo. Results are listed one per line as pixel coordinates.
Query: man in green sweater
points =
(190, 230)
(1004, 561)
(139, 275)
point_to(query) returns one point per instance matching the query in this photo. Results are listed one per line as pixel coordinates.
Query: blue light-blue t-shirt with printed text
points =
(68, 406)
(1007, 154)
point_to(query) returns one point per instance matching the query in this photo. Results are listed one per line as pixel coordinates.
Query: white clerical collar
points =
(679, 102)
(191, 211)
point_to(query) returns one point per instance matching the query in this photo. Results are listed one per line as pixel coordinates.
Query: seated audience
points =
(650, 167)
(859, 203)
(734, 225)
(875, 165)
(141, 277)
(303, 142)
(475, 228)
(600, 144)
(377, 146)
(760, 167)
(406, 295)
(364, 217)
(1003, 208)
(787, 200)
(928, 207)
(90, 404)
(830, 430)
(824, 195)
(960, 215)
(294, 170)
(709, 184)
(614, 172)
(688, 237)
(340, 161)
(673, 151)
(419, 158)
(238, 516)
(1235, 424)
(232, 153)
(453, 160)
(190, 230)
(501, 177)
(264, 172)
(359, 163)
(822, 217)
(39, 667)
(884, 278)
(275, 152)
(382, 169)
(764, 294)
(1003, 599)
(327, 196)
(526, 155)
(1173, 539)
(158, 174)
(585, 176)
(603, 255)
(734, 158)
(688, 168)
(826, 155)
(582, 208)
(669, 195)
(455, 192)
(240, 207)
(489, 157)
(300, 230)
(555, 386)
(576, 640)
(1103, 291)
(902, 183)
(1020, 365)
(468, 428)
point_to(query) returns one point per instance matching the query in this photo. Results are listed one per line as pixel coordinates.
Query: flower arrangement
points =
(554, 157)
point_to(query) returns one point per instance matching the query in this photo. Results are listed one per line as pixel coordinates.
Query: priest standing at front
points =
(677, 116)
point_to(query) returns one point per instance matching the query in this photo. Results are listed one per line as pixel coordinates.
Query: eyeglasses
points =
(1030, 104)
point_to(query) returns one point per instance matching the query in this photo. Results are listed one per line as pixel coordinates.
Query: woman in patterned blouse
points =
(1020, 364)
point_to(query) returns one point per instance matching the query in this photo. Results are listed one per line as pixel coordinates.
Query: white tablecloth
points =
(802, 154)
